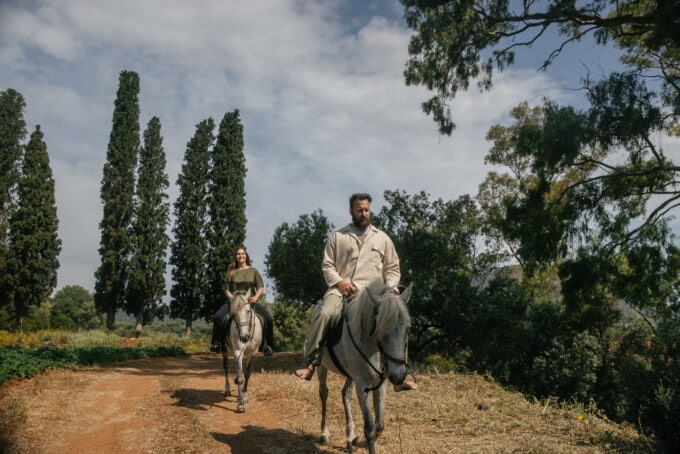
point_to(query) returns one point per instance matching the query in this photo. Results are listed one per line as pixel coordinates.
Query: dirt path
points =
(177, 405)
(160, 405)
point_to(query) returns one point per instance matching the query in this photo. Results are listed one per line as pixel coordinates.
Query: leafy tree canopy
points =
(293, 260)
(457, 42)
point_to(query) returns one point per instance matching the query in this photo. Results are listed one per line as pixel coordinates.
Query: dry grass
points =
(450, 413)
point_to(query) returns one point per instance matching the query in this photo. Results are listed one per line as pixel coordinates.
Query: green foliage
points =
(567, 369)
(32, 260)
(435, 242)
(294, 258)
(660, 406)
(146, 275)
(62, 322)
(38, 318)
(501, 348)
(12, 133)
(291, 324)
(22, 363)
(441, 363)
(226, 230)
(117, 195)
(75, 303)
(459, 41)
(189, 248)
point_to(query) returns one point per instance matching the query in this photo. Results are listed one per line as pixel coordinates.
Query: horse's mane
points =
(362, 311)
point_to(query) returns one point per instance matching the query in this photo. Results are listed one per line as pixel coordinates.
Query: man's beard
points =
(361, 223)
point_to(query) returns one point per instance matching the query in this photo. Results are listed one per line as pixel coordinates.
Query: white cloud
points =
(322, 100)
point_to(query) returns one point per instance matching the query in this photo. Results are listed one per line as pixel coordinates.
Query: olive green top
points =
(244, 279)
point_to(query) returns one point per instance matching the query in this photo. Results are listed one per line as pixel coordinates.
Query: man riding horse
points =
(354, 256)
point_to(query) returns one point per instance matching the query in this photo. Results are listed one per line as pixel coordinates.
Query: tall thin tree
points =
(226, 229)
(189, 247)
(12, 134)
(117, 191)
(34, 243)
(146, 277)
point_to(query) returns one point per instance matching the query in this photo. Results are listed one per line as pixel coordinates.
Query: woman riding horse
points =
(241, 276)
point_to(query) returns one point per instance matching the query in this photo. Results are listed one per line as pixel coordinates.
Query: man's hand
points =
(346, 288)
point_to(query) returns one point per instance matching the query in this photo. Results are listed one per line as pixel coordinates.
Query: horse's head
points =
(392, 323)
(243, 314)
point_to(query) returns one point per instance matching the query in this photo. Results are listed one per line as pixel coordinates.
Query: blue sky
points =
(318, 84)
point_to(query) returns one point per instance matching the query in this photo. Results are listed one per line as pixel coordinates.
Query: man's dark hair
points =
(359, 196)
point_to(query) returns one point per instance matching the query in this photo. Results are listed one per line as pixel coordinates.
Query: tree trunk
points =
(187, 328)
(110, 318)
(139, 323)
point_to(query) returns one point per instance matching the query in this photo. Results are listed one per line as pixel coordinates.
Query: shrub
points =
(62, 322)
(291, 322)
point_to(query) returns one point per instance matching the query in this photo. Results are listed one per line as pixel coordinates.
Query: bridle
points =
(249, 323)
(385, 358)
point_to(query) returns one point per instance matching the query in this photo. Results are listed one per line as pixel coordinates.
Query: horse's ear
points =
(406, 294)
(375, 299)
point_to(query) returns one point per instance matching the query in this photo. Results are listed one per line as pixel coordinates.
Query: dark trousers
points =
(218, 331)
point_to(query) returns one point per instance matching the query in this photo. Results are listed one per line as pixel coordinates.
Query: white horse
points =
(371, 348)
(243, 339)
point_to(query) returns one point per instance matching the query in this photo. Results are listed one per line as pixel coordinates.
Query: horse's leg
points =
(322, 375)
(369, 426)
(225, 366)
(240, 407)
(379, 408)
(349, 421)
(246, 378)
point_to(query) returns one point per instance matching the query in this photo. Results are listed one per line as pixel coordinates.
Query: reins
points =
(384, 356)
(240, 325)
(381, 373)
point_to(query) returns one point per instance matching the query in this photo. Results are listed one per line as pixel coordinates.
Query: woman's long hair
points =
(232, 263)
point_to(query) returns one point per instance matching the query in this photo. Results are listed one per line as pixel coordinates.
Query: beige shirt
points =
(346, 258)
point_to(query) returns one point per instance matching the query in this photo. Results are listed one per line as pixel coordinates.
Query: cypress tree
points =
(226, 230)
(12, 134)
(146, 277)
(34, 242)
(189, 247)
(117, 192)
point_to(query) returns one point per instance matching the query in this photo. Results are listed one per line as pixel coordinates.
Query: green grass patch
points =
(18, 362)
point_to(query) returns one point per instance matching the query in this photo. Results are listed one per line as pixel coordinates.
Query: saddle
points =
(333, 335)
(335, 327)
(226, 321)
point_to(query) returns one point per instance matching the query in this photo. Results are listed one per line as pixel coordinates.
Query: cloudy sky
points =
(318, 84)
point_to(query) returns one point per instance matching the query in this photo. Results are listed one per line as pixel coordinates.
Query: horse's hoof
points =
(350, 447)
(325, 439)
(240, 409)
(227, 393)
(359, 442)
